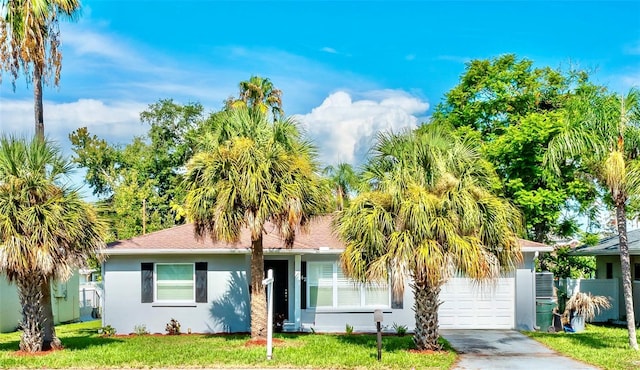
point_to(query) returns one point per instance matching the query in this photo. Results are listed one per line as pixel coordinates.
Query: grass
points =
(84, 348)
(602, 346)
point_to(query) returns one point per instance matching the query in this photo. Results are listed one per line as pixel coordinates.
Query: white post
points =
(297, 290)
(269, 283)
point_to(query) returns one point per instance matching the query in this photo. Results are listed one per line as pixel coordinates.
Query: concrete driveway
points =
(505, 349)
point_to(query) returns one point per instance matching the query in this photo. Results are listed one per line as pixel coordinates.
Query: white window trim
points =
(334, 284)
(193, 281)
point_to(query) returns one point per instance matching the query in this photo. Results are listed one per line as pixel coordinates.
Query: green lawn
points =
(84, 348)
(602, 346)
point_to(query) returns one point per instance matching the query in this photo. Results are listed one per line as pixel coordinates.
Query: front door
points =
(280, 287)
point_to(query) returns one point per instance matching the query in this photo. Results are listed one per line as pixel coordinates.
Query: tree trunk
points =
(50, 340)
(426, 310)
(30, 299)
(258, 296)
(37, 101)
(626, 272)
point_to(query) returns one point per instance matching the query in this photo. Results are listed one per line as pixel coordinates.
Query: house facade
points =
(64, 303)
(150, 279)
(608, 280)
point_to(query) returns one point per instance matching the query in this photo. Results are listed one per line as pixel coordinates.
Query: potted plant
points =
(584, 307)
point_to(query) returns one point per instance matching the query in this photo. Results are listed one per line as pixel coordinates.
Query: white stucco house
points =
(64, 303)
(153, 278)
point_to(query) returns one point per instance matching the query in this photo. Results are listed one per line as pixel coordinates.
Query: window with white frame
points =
(175, 282)
(328, 287)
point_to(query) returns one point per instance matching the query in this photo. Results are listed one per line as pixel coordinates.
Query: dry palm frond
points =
(587, 305)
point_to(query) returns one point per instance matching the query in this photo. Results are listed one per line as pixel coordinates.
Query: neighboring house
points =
(64, 302)
(150, 279)
(608, 281)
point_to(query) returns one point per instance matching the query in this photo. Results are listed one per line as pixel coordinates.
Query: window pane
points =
(175, 272)
(175, 292)
(376, 295)
(320, 273)
(320, 296)
(348, 295)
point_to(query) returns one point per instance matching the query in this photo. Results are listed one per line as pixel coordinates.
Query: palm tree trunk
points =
(37, 101)
(50, 340)
(626, 272)
(30, 299)
(426, 311)
(258, 296)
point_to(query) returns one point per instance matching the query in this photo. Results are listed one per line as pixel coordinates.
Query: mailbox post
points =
(269, 283)
(377, 317)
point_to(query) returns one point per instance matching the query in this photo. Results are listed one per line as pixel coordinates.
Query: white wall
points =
(10, 309)
(525, 299)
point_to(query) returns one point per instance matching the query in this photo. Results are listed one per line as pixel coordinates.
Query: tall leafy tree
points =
(46, 230)
(141, 183)
(344, 180)
(429, 214)
(602, 131)
(30, 42)
(251, 172)
(514, 108)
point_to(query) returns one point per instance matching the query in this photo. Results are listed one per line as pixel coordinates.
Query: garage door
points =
(466, 305)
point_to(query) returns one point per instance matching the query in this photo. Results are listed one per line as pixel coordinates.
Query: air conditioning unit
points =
(544, 285)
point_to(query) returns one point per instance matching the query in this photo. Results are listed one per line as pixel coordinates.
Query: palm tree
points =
(344, 180)
(259, 93)
(429, 214)
(30, 41)
(250, 172)
(46, 230)
(603, 131)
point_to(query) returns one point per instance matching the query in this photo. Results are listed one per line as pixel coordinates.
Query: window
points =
(636, 267)
(328, 287)
(609, 270)
(173, 282)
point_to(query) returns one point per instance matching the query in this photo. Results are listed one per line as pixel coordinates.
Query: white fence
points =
(90, 301)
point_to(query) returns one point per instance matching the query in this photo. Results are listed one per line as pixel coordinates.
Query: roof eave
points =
(175, 251)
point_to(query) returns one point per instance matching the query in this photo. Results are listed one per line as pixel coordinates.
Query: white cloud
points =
(115, 122)
(344, 128)
(329, 50)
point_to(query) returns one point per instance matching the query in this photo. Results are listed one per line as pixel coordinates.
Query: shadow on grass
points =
(70, 343)
(389, 343)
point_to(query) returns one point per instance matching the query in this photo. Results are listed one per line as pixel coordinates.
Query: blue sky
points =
(347, 69)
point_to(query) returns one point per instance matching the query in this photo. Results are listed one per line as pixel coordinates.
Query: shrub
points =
(348, 329)
(173, 327)
(401, 330)
(140, 329)
(587, 305)
(107, 331)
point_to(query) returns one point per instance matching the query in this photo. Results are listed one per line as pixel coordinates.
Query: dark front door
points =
(280, 286)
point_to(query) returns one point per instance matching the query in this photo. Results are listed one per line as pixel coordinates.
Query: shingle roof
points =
(609, 246)
(182, 239)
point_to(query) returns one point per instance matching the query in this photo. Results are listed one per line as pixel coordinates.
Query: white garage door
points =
(466, 305)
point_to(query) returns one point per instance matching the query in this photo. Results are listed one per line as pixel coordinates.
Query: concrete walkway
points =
(505, 349)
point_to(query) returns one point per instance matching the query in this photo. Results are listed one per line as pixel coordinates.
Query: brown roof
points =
(319, 236)
(181, 239)
(531, 246)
